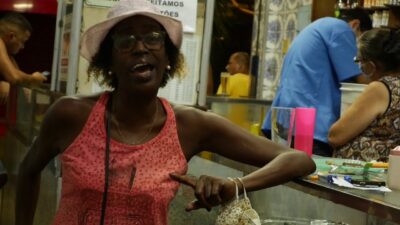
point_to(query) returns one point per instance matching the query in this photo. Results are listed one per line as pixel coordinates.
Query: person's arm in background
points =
(27, 91)
(4, 92)
(10, 73)
(372, 103)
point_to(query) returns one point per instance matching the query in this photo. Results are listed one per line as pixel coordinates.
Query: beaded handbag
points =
(238, 211)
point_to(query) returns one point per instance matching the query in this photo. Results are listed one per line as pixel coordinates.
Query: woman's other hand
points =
(209, 191)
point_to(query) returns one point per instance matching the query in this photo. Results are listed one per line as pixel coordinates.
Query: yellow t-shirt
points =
(238, 85)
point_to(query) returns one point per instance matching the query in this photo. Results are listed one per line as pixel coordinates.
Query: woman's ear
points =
(370, 69)
(355, 26)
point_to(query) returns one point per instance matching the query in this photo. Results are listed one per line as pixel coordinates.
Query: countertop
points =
(385, 205)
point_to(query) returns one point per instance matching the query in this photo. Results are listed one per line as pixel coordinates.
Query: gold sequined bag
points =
(238, 211)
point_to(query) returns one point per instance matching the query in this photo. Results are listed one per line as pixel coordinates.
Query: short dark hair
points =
(357, 14)
(381, 45)
(17, 20)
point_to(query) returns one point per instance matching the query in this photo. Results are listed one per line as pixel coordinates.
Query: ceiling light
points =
(23, 6)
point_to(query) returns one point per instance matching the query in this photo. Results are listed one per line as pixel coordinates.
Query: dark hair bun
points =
(392, 44)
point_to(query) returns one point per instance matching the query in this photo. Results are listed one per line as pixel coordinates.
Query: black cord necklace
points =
(107, 121)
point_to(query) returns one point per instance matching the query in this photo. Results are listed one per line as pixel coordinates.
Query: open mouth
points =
(142, 68)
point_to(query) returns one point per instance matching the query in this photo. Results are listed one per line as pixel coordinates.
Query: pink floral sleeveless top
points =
(140, 188)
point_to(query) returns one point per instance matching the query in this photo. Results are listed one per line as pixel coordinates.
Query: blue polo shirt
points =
(319, 58)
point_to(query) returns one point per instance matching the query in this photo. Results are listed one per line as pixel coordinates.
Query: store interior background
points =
(266, 36)
(232, 32)
(38, 52)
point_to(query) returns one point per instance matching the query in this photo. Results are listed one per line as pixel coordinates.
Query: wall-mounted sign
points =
(183, 10)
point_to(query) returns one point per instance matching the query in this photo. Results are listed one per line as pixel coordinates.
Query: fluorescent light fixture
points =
(23, 6)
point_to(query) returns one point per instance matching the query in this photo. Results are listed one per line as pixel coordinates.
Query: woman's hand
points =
(209, 191)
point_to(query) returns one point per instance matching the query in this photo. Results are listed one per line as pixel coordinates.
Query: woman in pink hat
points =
(125, 152)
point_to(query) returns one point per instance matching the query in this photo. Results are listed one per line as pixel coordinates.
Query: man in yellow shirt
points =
(238, 83)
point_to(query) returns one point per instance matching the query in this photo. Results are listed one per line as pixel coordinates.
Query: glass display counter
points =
(248, 113)
(31, 105)
(25, 111)
(303, 198)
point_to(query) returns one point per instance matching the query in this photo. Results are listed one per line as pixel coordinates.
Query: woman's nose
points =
(139, 46)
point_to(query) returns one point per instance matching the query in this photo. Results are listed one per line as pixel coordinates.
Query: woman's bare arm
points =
(372, 103)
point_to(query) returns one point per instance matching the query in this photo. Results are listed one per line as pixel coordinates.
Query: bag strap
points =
(244, 189)
(236, 188)
(107, 121)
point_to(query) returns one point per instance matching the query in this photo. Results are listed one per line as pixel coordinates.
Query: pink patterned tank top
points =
(140, 188)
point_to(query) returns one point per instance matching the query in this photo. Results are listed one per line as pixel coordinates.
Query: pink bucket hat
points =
(92, 38)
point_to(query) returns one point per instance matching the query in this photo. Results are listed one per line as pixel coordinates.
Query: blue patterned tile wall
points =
(280, 22)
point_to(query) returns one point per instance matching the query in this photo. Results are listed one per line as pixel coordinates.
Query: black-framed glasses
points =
(152, 41)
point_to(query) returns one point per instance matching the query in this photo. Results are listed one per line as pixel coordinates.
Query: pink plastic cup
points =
(304, 129)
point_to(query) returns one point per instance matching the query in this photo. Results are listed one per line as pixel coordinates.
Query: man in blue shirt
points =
(319, 58)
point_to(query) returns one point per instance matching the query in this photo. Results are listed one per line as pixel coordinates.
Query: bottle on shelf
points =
(385, 18)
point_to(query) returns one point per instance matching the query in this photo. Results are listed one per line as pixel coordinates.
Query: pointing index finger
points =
(184, 179)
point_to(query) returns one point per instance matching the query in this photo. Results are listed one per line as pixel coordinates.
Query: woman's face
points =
(139, 58)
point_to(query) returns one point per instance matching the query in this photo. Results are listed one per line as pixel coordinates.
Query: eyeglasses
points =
(152, 41)
(358, 59)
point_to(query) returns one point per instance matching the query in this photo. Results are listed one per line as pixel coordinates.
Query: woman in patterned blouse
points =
(370, 127)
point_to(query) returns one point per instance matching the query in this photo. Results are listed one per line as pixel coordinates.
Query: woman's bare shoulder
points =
(65, 119)
(189, 114)
(68, 115)
(199, 121)
(73, 106)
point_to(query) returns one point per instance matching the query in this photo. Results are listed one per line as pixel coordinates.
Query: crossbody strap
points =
(107, 121)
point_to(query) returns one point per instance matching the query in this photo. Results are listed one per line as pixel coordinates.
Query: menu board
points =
(184, 91)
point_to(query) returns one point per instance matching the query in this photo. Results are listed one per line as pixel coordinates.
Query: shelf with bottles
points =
(393, 6)
(380, 18)
(347, 4)
(394, 15)
(368, 4)
(379, 4)
(384, 13)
